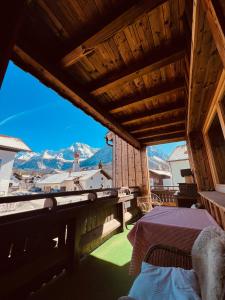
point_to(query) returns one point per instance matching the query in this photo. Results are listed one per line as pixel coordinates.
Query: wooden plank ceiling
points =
(206, 63)
(126, 63)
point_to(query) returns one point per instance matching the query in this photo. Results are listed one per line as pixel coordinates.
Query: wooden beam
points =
(166, 141)
(155, 112)
(164, 89)
(194, 53)
(152, 133)
(164, 123)
(169, 138)
(155, 60)
(69, 90)
(216, 20)
(11, 15)
(158, 135)
(205, 67)
(117, 21)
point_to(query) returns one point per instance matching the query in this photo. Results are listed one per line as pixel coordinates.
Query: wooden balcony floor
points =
(103, 275)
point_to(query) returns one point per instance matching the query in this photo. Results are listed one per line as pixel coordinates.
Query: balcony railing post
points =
(121, 215)
(73, 242)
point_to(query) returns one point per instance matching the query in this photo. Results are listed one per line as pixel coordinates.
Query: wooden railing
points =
(214, 202)
(39, 245)
(167, 194)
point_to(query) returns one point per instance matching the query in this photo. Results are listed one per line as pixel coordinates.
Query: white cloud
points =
(22, 113)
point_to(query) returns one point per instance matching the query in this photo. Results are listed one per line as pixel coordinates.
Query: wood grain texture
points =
(119, 22)
(137, 60)
(156, 60)
(10, 24)
(215, 16)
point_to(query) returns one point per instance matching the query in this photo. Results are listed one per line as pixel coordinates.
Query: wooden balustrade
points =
(214, 202)
(166, 194)
(39, 245)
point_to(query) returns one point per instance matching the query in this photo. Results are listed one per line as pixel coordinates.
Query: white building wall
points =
(175, 167)
(69, 185)
(97, 181)
(6, 165)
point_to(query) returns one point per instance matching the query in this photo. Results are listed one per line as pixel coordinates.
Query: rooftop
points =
(13, 144)
(65, 176)
(166, 174)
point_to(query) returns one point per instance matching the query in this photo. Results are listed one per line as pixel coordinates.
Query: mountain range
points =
(62, 159)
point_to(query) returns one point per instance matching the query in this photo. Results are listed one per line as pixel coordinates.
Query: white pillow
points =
(165, 283)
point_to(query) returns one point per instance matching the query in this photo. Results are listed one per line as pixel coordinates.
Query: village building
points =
(159, 178)
(76, 181)
(178, 161)
(9, 146)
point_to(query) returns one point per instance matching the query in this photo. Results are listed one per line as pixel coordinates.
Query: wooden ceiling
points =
(125, 63)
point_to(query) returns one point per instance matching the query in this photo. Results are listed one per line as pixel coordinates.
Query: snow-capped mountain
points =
(25, 156)
(49, 159)
(89, 158)
(104, 155)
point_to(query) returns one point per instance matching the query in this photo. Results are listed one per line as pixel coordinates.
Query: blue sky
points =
(43, 119)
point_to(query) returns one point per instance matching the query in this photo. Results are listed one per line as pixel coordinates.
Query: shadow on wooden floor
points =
(97, 280)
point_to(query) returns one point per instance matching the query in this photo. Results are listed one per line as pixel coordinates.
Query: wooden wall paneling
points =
(131, 167)
(201, 169)
(11, 16)
(125, 163)
(118, 165)
(190, 155)
(145, 171)
(138, 169)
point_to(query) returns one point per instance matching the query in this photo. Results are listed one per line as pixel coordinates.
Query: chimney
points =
(76, 165)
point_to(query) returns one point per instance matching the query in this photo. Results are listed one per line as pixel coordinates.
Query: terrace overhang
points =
(120, 70)
(130, 64)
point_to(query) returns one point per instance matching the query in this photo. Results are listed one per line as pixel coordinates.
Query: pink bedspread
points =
(173, 226)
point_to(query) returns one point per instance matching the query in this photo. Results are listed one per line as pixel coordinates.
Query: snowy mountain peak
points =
(25, 156)
(89, 157)
(61, 159)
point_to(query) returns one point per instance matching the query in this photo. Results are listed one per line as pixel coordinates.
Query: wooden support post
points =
(121, 215)
(145, 172)
(200, 161)
(11, 13)
(73, 242)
